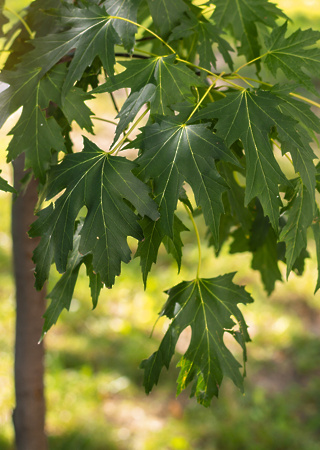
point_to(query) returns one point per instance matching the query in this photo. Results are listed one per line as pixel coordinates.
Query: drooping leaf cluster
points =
(224, 93)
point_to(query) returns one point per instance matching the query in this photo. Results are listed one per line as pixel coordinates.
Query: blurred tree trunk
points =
(29, 413)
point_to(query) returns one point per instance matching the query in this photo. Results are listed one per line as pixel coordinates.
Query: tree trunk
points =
(29, 413)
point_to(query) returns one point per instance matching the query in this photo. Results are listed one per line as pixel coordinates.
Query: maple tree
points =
(210, 143)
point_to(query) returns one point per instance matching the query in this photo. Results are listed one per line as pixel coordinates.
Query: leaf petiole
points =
(104, 120)
(144, 28)
(198, 238)
(201, 100)
(250, 62)
(218, 77)
(117, 147)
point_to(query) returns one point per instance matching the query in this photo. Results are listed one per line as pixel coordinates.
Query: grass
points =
(95, 398)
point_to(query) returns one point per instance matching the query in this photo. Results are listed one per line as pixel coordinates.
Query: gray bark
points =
(29, 413)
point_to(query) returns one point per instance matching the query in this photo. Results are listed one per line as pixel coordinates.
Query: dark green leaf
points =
(250, 117)
(126, 30)
(243, 16)
(293, 54)
(174, 245)
(148, 248)
(209, 306)
(173, 153)
(132, 106)
(265, 259)
(73, 105)
(36, 136)
(166, 13)
(138, 73)
(204, 35)
(294, 233)
(173, 82)
(21, 87)
(91, 34)
(61, 294)
(100, 182)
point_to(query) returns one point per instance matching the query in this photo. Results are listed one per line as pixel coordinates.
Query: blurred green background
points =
(95, 398)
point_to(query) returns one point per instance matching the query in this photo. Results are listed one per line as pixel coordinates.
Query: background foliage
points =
(290, 342)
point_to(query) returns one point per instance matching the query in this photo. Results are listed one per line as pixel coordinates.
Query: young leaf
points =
(293, 54)
(209, 307)
(100, 182)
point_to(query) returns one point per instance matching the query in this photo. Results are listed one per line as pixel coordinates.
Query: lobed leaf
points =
(173, 152)
(293, 54)
(209, 307)
(100, 182)
(243, 16)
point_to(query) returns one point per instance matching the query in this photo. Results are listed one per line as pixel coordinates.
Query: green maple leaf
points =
(173, 82)
(297, 109)
(148, 248)
(91, 34)
(138, 73)
(294, 233)
(209, 307)
(21, 87)
(61, 294)
(250, 117)
(236, 196)
(265, 259)
(204, 35)
(173, 152)
(5, 186)
(293, 54)
(100, 182)
(166, 14)
(126, 30)
(132, 106)
(73, 105)
(242, 16)
(35, 136)
(174, 245)
(153, 234)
